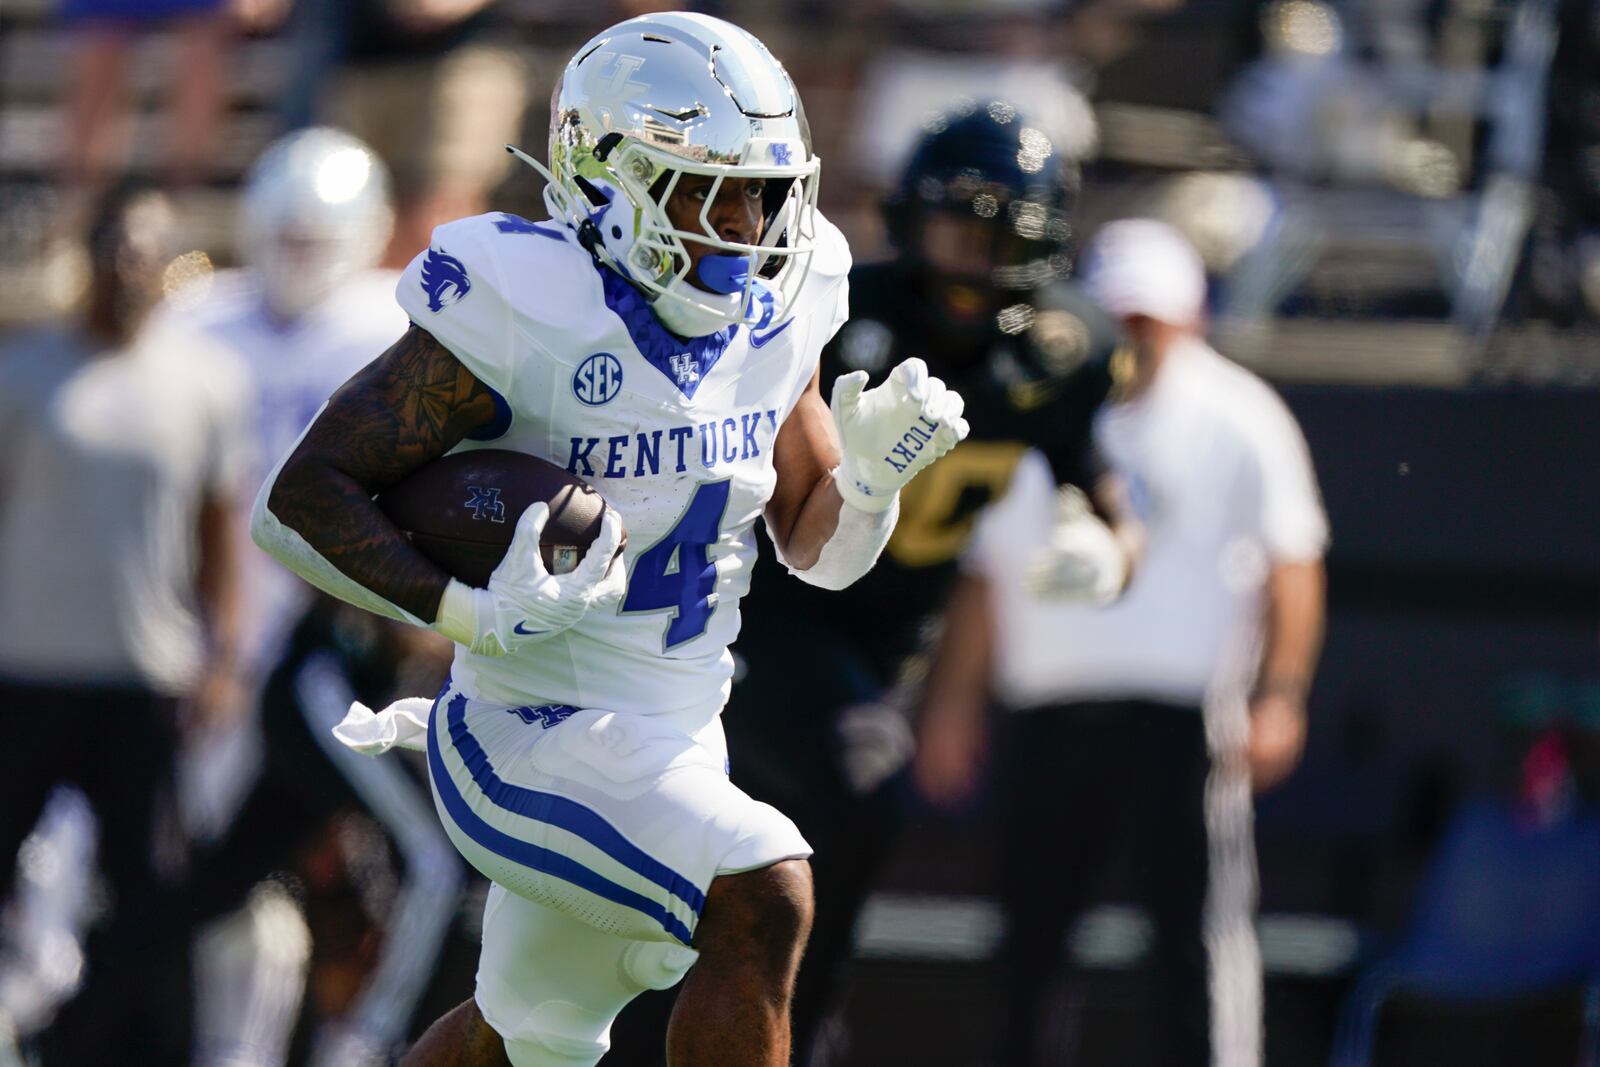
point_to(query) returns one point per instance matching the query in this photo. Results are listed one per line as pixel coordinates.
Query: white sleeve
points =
(853, 550)
(453, 289)
(1292, 523)
(832, 307)
(840, 311)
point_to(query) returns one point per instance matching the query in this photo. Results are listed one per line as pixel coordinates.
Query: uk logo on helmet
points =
(782, 155)
(444, 279)
(598, 379)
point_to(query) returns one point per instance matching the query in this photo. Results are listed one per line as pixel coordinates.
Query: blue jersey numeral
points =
(675, 574)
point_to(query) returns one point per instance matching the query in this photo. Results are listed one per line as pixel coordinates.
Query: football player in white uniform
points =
(307, 310)
(659, 337)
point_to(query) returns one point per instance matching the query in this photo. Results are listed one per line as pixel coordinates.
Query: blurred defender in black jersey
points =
(380, 884)
(978, 289)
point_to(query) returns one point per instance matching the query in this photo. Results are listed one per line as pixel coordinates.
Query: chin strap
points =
(681, 316)
(561, 204)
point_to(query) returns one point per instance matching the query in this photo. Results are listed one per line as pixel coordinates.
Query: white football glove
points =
(525, 602)
(889, 433)
(1081, 560)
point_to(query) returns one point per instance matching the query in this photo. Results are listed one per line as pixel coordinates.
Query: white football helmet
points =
(315, 210)
(664, 95)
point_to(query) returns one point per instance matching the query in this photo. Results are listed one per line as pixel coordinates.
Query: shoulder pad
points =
(832, 257)
(454, 289)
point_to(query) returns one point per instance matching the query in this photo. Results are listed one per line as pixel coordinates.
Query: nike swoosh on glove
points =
(524, 602)
(888, 434)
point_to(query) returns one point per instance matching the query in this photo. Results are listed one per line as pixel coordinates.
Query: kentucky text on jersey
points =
(912, 441)
(743, 436)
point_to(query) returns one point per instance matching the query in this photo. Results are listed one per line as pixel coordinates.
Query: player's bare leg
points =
(461, 1038)
(734, 1007)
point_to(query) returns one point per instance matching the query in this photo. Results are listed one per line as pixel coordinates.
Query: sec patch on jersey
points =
(462, 509)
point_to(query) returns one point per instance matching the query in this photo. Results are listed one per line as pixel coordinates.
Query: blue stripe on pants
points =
(532, 805)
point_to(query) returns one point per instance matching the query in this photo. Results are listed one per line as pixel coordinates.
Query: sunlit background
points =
(1399, 205)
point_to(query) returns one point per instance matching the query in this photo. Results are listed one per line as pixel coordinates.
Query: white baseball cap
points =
(1145, 267)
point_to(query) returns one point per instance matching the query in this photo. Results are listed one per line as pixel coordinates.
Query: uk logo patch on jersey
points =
(685, 368)
(444, 279)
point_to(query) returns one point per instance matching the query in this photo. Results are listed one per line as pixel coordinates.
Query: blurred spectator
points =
(968, 53)
(1129, 727)
(424, 83)
(1502, 928)
(1308, 108)
(118, 606)
(94, 143)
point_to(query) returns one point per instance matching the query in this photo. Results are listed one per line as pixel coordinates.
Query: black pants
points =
(117, 745)
(1085, 786)
(287, 811)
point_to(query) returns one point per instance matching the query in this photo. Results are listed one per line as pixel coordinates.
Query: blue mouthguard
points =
(724, 273)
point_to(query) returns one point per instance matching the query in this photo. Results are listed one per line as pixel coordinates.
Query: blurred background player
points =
(431, 88)
(304, 314)
(139, 423)
(1138, 727)
(978, 290)
(358, 841)
(99, 129)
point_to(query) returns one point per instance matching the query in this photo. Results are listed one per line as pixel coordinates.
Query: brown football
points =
(461, 510)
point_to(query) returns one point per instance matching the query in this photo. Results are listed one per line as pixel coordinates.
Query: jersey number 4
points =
(676, 575)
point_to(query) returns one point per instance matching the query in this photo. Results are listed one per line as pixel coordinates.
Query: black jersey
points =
(1054, 360)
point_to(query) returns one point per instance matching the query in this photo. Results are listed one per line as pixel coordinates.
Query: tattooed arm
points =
(411, 405)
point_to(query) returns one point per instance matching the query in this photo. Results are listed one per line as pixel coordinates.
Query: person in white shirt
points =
(1143, 724)
(119, 607)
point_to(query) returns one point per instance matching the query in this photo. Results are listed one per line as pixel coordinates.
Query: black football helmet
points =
(1007, 185)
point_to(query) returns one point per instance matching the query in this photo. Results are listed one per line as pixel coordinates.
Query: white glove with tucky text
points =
(524, 601)
(889, 433)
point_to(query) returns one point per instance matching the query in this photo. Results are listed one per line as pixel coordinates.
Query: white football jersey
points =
(676, 435)
(294, 367)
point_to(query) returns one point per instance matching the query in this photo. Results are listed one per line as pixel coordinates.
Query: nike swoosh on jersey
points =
(756, 340)
(518, 629)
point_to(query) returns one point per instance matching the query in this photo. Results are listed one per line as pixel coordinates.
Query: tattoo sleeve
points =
(411, 405)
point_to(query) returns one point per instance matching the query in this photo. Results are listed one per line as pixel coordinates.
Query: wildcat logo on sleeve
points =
(444, 279)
